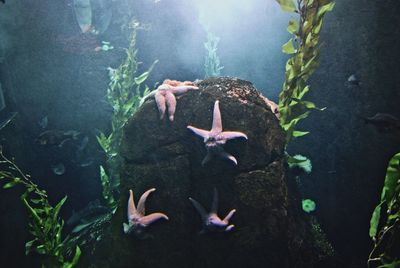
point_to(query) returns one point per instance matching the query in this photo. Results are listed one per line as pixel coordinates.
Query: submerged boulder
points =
(269, 227)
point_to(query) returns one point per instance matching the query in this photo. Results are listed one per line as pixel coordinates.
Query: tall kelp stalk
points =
(212, 65)
(385, 225)
(305, 50)
(45, 225)
(124, 95)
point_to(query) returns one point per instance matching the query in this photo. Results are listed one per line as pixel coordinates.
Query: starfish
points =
(137, 221)
(215, 138)
(165, 96)
(211, 221)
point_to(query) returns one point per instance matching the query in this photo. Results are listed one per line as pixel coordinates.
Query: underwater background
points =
(54, 75)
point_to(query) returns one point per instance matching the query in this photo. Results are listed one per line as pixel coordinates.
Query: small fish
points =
(8, 119)
(384, 122)
(3, 1)
(56, 137)
(58, 169)
(83, 144)
(43, 122)
(92, 211)
(353, 80)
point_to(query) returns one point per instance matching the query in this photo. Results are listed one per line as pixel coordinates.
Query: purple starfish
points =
(137, 221)
(165, 96)
(211, 221)
(215, 138)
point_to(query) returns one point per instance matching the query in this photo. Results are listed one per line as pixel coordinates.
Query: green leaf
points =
(75, 260)
(325, 8)
(28, 246)
(288, 47)
(300, 133)
(287, 5)
(293, 26)
(57, 208)
(140, 79)
(33, 213)
(374, 222)
(10, 184)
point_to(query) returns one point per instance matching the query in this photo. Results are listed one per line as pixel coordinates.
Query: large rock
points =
(167, 156)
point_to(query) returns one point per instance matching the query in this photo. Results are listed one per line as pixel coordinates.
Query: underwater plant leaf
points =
(75, 259)
(374, 222)
(297, 133)
(328, 7)
(57, 208)
(288, 47)
(393, 264)
(287, 5)
(141, 78)
(32, 211)
(11, 184)
(293, 26)
(28, 246)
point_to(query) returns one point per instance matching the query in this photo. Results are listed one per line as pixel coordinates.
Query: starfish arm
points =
(229, 216)
(171, 102)
(200, 209)
(142, 201)
(228, 156)
(217, 121)
(214, 205)
(145, 98)
(161, 103)
(131, 206)
(228, 135)
(206, 159)
(149, 219)
(182, 89)
(200, 132)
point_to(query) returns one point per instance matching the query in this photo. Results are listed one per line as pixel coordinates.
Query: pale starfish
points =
(215, 138)
(211, 221)
(137, 221)
(165, 96)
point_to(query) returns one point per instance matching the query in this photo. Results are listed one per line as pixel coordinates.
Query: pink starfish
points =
(137, 221)
(165, 96)
(215, 138)
(211, 221)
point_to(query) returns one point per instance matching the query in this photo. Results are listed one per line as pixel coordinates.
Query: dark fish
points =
(56, 137)
(7, 120)
(92, 211)
(384, 122)
(4, 1)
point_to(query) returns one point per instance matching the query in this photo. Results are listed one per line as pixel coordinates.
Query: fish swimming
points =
(43, 122)
(56, 137)
(91, 212)
(384, 122)
(353, 80)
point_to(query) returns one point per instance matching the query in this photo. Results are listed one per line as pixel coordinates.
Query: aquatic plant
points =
(124, 95)
(305, 50)
(212, 66)
(45, 226)
(385, 227)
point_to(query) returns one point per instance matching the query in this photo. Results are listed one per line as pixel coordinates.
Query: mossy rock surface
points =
(167, 156)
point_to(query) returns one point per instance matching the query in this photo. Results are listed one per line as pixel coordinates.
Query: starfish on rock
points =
(137, 221)
(165, 96)
(211, 221)
(215, 138)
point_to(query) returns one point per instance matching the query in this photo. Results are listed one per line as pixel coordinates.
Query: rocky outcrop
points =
(167, 156)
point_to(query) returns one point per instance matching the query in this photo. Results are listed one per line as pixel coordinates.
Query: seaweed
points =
(305, 50)
(124, 96)
(212, 65)
(385, 227)
(45, 224)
